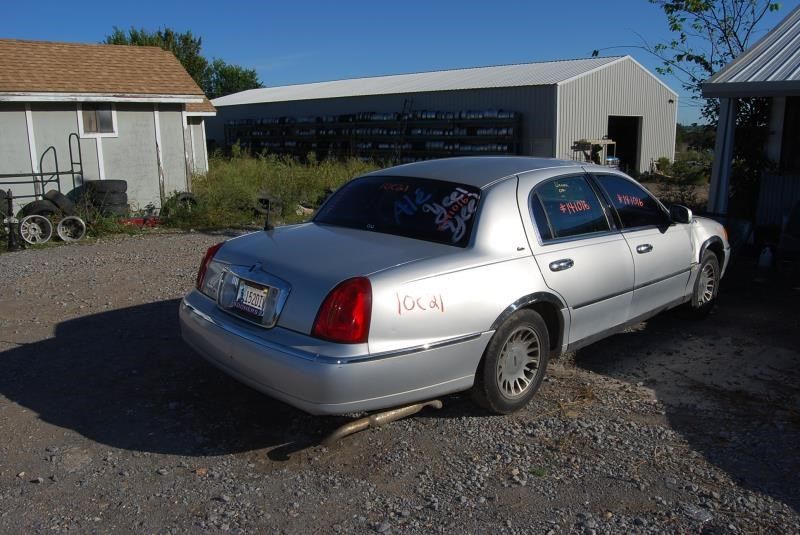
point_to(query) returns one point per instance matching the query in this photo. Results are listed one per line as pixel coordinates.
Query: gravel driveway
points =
(108, 422)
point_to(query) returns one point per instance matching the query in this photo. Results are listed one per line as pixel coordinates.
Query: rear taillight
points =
(345, 314)
(209, 256)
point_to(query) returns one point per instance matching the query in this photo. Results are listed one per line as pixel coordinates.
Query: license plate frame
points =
(238, 281)
(251, 299)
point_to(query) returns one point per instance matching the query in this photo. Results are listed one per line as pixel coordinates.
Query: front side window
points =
(635, 206)
(419, 208)
(567, 207)
(97, 118)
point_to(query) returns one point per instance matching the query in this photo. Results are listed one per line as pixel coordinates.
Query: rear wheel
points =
(514, 363)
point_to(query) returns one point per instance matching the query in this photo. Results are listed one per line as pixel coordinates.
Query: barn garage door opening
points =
(626, 131)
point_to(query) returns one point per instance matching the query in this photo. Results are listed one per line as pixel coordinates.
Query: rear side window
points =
(567, 207)
(635, 206)
(420, 208)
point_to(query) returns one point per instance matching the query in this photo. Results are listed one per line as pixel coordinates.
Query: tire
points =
(106, 186)
(504, 382)
(61, 201)
(180, 201)
(43, 208)
(109, 199)
(706, 287)
(77, 195)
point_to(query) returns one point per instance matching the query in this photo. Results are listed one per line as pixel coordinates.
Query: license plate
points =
(251, 299)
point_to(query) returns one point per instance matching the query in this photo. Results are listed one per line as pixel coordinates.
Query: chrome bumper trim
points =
(316, 357)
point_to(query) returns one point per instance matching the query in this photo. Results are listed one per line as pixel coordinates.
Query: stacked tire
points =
(54, 203)
(108, 197)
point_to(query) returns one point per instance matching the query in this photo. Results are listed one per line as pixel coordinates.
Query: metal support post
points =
(13, 225)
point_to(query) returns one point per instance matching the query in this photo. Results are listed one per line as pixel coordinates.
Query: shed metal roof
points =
(771, 67)
(524, 74)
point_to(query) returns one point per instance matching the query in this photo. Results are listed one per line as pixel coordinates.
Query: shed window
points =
(97, 119)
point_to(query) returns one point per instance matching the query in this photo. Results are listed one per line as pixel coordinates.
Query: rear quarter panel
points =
(462, 292)
(408, 312)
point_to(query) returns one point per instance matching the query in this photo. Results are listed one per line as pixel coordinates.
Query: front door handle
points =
(561, 265)
(644, 248)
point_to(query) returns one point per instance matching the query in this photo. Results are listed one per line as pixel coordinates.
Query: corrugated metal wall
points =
(777, 196)
(622, 89)
(536, 103)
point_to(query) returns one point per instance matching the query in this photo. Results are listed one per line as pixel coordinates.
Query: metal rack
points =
(43, 179)
(398, 137)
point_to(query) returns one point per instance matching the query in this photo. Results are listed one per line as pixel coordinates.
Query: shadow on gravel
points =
(730, 383)
(126, 379)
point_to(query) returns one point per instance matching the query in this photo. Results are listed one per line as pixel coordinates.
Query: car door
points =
(661, 249)
(580, 254)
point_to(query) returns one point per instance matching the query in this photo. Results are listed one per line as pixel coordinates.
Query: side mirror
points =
(680, 214)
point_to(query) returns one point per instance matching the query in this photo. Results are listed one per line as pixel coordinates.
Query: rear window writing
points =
(420, 208)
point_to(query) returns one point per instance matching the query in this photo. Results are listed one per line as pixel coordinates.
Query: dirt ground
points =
(108, 422)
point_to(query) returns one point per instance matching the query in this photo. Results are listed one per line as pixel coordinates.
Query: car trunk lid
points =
(314, 258)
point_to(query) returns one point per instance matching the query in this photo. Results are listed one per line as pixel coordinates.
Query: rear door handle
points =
(644, 248)
(561, 265)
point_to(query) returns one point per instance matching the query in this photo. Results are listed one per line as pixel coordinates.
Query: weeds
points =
(678, 182)
(227, 195)
(538, 471)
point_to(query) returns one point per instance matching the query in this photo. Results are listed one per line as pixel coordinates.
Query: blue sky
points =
(312, 40)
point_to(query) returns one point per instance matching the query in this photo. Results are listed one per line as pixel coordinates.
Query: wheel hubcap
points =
(35, 229)
(708, 282)
(518, 362)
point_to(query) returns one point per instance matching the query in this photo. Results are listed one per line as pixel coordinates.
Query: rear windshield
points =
(420, 208)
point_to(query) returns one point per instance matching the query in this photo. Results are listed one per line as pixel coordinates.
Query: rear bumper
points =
(306, 374)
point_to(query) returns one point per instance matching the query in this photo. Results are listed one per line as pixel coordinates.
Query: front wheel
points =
(706, 286)
(514, 364)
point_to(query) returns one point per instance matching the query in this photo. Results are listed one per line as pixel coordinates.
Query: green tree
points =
(223, 79)
(216, 77)
(707, 35)
(185, 46)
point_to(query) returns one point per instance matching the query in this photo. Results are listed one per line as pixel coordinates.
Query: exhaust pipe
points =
(377, 420)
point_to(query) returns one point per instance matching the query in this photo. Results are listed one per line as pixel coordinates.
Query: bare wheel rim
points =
(35, 229)
(71, 228)
(708, 283)
(518, 362)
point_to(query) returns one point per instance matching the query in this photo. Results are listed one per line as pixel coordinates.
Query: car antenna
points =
(264, 205)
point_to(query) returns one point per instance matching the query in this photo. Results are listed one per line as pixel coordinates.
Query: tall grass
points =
(227, 195)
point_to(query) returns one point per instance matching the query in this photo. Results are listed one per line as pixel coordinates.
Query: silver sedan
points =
(441, 276)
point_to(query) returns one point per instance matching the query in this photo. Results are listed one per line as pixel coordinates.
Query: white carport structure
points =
(771, 69)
